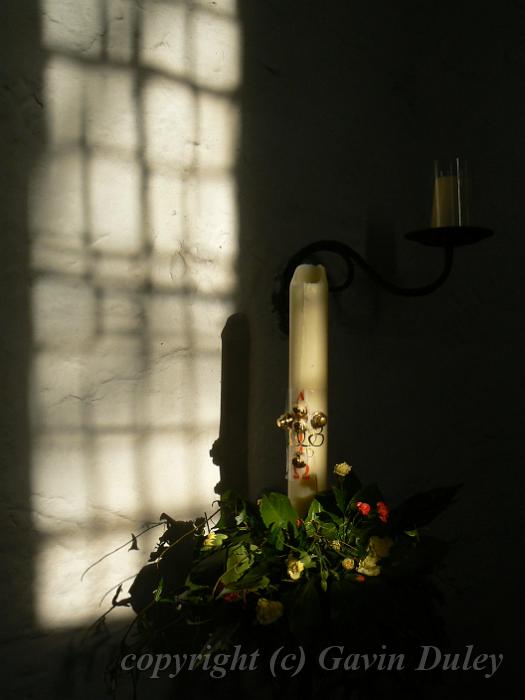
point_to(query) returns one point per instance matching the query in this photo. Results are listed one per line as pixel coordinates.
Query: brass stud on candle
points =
(300, 411)
(299, 426)
(319, 420)
(298, 463)
(285, 421)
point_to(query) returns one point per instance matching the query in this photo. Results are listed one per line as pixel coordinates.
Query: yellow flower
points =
(380, 547)
(295, 569)
(348, 563)
(214, 540)
(268, 611)
(210, 540)
(342, 469)
(368, 566)
(336, 545)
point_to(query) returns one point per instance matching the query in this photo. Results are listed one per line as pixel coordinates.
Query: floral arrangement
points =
(261, 574)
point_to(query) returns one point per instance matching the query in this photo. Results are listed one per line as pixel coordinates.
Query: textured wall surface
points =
(164, 159)
(121, 123)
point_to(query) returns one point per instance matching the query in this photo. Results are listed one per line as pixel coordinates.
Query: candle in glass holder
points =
(450, 202)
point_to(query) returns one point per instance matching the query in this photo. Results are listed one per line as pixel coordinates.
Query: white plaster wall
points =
(134, 236)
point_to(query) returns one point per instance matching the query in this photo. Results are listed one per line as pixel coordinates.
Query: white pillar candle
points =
(308, 375)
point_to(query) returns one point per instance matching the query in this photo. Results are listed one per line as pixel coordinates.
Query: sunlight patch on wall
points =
(134, 228)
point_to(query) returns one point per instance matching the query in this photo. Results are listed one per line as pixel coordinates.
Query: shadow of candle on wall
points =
(230, 451)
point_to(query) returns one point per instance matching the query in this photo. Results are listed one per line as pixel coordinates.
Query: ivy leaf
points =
(328, 530)
(239, 561)
(277, 511)
(241, 517)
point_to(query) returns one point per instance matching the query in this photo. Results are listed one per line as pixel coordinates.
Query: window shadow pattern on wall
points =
(134, 242)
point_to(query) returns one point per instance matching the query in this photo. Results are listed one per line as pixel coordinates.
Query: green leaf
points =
(307, 560)
(276, 510)
(328, 530)
(340, 498)
(241, 517)
(213, 541)
(190, 585)
(327, 500)
(313, 510)
(239, 561)
(313, 513)
(233, 507)
(276, 538)
(324, 579)
(350, 485)
(157, 593)
(251, 581)
(208, 569)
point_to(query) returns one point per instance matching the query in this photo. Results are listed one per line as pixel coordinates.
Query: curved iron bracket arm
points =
(352, 259)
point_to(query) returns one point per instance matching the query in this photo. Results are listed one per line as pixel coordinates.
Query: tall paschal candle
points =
(307, 382)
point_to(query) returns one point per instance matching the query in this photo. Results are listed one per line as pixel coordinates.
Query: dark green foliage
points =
(264, 577)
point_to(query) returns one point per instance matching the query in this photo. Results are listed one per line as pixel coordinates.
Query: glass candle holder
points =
(451, 202)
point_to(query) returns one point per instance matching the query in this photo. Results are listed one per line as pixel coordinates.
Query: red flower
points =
(383, 511)
(363, 508)
(360, 578)
(299, 522)
(231, 597)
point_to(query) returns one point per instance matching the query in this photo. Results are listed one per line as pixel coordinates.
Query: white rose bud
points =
(342, 469)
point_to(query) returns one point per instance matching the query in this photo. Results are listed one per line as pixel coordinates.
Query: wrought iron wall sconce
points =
(446, 238)
(450, 206)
